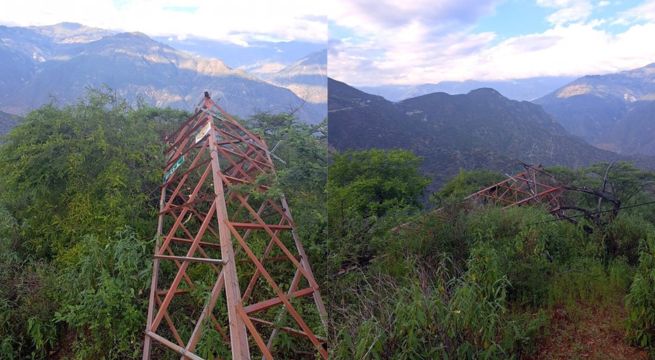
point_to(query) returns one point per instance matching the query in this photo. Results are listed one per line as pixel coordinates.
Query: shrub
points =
(623, 236)
(640, 301)
(104, 299)
(588, 280)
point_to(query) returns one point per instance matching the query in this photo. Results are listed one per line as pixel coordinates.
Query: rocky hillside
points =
(518, 89)
(613, 111)
(307, 77)
(61, 62)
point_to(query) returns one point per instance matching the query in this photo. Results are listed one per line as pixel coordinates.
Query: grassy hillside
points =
(485, 283)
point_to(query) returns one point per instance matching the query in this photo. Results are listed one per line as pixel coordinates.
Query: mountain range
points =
(480, 129)
(60, 62)
(517, 89)
(306, 77)
(613, 111)
(255, 53)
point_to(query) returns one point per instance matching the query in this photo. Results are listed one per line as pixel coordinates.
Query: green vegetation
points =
(78, 215)
(78, 205)
(374, 181)
(463, 184)
(363, 187)
(482, 283)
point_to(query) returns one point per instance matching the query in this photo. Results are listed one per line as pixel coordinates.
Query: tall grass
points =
(482, 284)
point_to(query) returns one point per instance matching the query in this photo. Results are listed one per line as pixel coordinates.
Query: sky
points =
(388, 42)
(237, 22)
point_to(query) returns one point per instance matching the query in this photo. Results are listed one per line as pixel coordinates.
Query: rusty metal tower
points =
(229, 272)
(531, 186)
(535, 185)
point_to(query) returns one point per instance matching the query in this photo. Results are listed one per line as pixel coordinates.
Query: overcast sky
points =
(375, 42)
(235, 21)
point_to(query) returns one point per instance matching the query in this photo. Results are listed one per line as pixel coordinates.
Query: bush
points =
(587, 280)
(640, 301)
(103, 300)
(463, 317)
(623, 236)
(464, 184)
(373, 181)
(78, 207)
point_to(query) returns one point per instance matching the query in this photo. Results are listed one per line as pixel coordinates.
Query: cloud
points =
(571, 50)
(375, 15)
(643, 12)
(238, 22)
(402, 56)
(567, 10)
(388, 37)
(417, 51)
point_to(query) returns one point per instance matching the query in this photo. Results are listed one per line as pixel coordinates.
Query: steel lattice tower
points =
(229, 268)
(528, 187)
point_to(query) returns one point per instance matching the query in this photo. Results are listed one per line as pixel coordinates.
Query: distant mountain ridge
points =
(63, 60)
(237, 56)
(71, 33)
(613, 111)
(481, 129)
(307, 77)
(518, 89)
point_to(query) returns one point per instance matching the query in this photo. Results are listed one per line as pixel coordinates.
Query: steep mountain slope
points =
(634, 133)
(481, 129)
(61, 62)
(307, 77)
(610, 111)
(519, 89)
(7, 121)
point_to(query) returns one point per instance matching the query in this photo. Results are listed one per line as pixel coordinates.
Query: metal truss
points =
(229, 271)
(536, 186)
(529, 187)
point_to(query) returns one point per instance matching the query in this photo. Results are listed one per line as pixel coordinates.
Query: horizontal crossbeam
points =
(187, 258)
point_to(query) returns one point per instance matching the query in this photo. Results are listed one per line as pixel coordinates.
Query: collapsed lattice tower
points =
(529, 187)
(229, 270)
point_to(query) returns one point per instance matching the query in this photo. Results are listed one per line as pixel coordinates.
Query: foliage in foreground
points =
(641, 299)
(78, 214)
(483, 283)
(79, 185)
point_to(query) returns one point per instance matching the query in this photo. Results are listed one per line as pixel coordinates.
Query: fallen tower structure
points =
(531, 186)
(536, 186)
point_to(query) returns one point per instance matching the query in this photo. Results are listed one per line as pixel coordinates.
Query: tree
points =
(87, 168)
(465, 183)
(300, 156)
(370, 182)
(369, 191)
(79, 187)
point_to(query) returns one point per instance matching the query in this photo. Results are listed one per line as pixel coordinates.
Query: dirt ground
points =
(588, 332)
